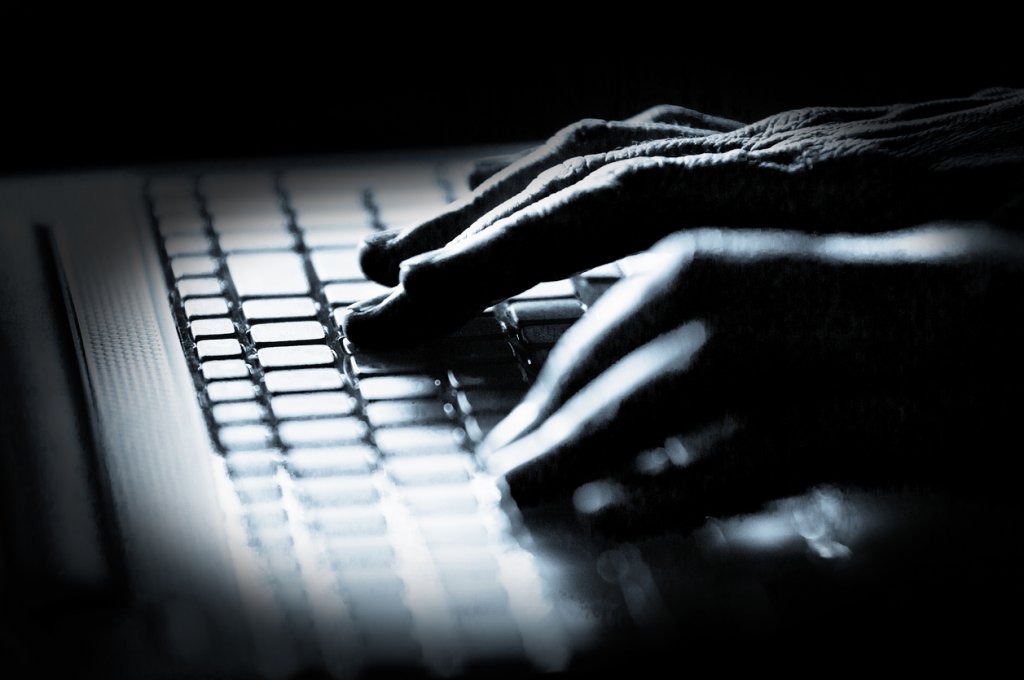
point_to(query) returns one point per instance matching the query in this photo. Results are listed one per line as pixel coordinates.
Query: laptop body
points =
(180, 516)
(158, 532)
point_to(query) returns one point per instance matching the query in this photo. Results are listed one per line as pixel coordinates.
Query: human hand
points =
(788, 360)
(601, 190)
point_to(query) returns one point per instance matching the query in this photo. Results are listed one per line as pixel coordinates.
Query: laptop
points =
(204, 478)
(268, 498)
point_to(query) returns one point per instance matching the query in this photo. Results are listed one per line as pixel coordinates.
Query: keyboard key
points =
(295, 355)
(337, 265)
(187, 244)
(312, 405)
(333, 491)
(417, 440)
(256, 240)
(544, 334)
(461, 563)
(274, 540)
(193, 265)
(442, 499)
(405, 412)
(428, 470)
(279, 308)
(225, 347)
(280, 565)
(374, 587)
(293, 331)
(330, 461)
(237, 412)
(391, 622)
(398, 387)
(397, 362)
(251, 463)
(306, 380)
(472, 402)
(235, 437)
(240, 188)
(344, 236)
(459, 354)
(352, 216)
(483, 375)
(480, 425)
(548, 290)
(267, 517)
(199, 307)
(257, 490)
(481, 326)
(360, 552)
(225, 369)
(263, 274)
(339, 188)
(208, 328)
(188, 288)
(490, 635)
(351, 521)
(230, 390)
(400, 218)
(456, 530)
(325, 431)
(187, 222)
(234, 221)
(347, 293)
(539, 311)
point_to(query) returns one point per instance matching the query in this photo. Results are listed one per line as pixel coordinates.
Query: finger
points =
(485, 168)
(782, 447)
(395, 320)
(734, 474)
(626, 409)
(380, 256)
(508, 255)
(679, 115)
(628, 315)
(620, 208)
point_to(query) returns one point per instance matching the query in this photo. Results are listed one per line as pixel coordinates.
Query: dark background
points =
(199, 95)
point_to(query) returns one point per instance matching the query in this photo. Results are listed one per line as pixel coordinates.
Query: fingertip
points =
(601, 496)
(360, 323)
(514, 426)
(377, 259)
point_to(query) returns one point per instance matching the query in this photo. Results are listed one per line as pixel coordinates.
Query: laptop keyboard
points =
(359, 516)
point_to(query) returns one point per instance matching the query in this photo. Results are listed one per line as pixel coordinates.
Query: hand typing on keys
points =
(862, 339)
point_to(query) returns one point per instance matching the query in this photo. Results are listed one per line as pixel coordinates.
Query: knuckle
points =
(582, 131)
(661, 112)
(567, 169)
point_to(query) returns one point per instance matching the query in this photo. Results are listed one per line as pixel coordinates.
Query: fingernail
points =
(354, 315)
(599, 496)
(361, 307)
(377, 260)
(506, 458)
(511, 428)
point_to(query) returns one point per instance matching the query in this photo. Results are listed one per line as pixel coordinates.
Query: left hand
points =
(797, 359)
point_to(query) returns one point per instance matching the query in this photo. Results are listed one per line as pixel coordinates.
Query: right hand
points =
(601, 190)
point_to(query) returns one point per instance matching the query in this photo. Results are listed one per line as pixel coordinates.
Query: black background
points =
(301, 89)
